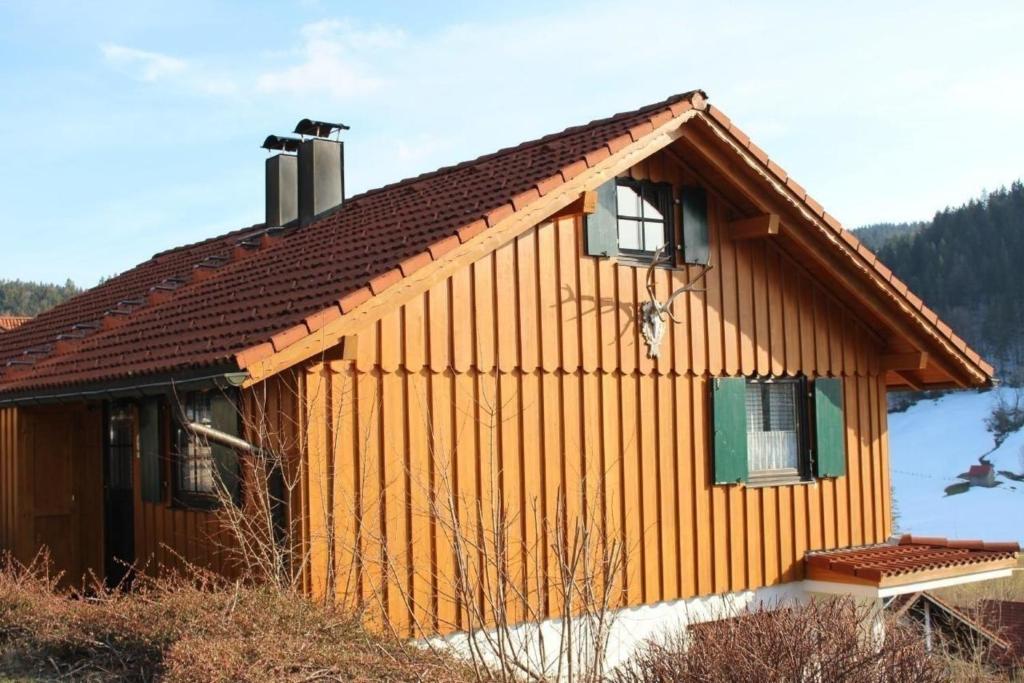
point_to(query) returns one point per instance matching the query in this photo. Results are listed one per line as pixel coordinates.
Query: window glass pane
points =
(629, 235)
(782, 398)
(628, 201)
(651, 205)
(119, 448)
(755, 415)
(654, 235)
(772, 435)
(195, 456)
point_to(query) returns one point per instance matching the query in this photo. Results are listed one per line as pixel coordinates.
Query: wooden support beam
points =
(765, 225)
(916, 360)
(896, 377)
(585, 205)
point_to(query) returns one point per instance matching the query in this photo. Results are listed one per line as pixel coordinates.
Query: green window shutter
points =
(149, 450)
(224, 417)
(695, 225)
(602, 225)
(729, 406)
(830, 433)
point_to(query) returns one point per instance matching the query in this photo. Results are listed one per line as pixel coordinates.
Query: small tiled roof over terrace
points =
(911, 564)
(12, 322)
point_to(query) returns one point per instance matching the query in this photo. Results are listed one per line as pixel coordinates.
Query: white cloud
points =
(153, 67)
(147, 66)
(333, 63)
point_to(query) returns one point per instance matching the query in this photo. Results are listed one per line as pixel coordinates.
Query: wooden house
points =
(498, 335)
(983, 474)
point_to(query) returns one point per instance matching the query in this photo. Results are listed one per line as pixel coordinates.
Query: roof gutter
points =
(137, 388)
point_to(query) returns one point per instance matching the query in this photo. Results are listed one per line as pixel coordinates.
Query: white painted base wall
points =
(537, 645)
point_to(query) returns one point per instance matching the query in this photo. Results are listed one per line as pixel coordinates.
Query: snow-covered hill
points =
(932, 443)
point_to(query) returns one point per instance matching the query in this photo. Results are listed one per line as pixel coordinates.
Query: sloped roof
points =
(11, 322)
(245, 295)
(909, 560)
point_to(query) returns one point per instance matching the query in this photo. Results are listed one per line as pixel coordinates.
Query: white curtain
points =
(771, 426)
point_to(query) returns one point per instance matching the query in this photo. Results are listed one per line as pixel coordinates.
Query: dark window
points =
(119, 447)
(193, 456)
(643, 216)
(776, 428)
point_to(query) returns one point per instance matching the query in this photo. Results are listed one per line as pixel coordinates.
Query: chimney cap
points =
(282, 143)
(319, 129)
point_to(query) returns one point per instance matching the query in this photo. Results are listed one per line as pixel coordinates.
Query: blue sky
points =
(136, 127)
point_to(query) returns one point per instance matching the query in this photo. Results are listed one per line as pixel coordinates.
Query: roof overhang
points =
(919, 351)
(135, 387)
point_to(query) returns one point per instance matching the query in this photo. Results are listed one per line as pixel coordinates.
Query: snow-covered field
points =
(933, 442)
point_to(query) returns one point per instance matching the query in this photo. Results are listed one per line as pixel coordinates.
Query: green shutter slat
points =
(602, 226)
(695, 225)
(149, 450)
(729, 406)
(830, 433)
(224, 417)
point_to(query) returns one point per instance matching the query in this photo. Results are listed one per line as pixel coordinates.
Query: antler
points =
(658, 258)
(666, 308)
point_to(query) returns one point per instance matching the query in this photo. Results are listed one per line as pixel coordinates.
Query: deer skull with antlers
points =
(654, 312)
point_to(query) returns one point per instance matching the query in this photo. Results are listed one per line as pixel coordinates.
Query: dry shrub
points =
(194, 628)
(824, 640)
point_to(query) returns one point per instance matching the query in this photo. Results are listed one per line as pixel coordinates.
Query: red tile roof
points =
(914, 558)
(10, 322)
(234, 299)
(231, 300)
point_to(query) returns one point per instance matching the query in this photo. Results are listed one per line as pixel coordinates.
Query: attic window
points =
(643, 216)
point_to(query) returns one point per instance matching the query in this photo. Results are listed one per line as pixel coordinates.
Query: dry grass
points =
(195, 629)
(967, 595)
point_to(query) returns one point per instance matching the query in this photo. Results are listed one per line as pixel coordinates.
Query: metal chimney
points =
(321, 173)
(282, 181)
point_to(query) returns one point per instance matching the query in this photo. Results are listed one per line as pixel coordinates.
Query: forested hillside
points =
(874, 236)
(968, 264)
(32, 298)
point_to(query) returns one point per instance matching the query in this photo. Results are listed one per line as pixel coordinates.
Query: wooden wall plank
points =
(761, 288)
(668, 473)
(713, 306)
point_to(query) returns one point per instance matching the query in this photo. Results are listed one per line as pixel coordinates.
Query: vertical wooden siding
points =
(525, 375)
(9, 459)
(51, 486)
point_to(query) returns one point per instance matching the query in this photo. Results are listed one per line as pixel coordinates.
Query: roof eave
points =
(223, 376)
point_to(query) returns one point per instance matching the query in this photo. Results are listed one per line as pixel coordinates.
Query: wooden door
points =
(51, 438)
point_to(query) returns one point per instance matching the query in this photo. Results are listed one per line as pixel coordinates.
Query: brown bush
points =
(194, 628)
(825, 640)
